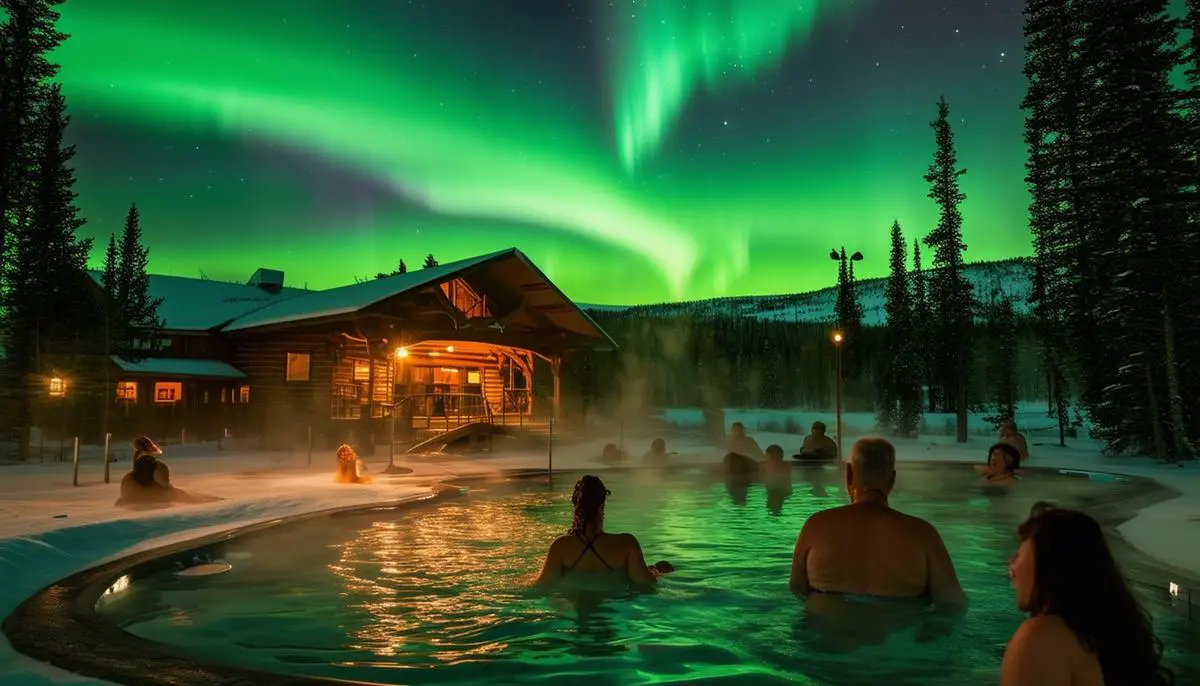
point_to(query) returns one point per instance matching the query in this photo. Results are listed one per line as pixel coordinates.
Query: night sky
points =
(638, 151)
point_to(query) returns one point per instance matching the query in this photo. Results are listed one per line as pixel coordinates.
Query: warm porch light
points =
(434, 353)
(401, 353)
(837, 337)
(58, 387)
(449, 348)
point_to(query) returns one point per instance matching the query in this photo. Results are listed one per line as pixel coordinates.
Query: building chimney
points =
(269, 280)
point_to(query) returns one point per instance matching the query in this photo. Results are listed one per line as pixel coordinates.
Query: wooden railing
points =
(430, 414)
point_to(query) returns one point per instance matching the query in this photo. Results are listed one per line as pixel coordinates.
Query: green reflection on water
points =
(360, 597)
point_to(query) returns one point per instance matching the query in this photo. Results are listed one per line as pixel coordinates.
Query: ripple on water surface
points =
(390, 595)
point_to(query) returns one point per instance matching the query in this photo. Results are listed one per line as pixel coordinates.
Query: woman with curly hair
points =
(349, 468)
(1085, 627)
(588, 549)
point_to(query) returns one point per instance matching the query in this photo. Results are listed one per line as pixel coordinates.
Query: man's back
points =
(870, 549)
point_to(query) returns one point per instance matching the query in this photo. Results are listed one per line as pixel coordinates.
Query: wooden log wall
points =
(281, 412)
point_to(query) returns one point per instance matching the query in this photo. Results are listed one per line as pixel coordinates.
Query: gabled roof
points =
(175, 366)
(190, 304)
(356, 296)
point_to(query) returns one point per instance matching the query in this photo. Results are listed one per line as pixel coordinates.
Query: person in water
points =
(588, 549)
(741, 444)
(1085, 627)
(818, 446)
(349, 467)
(774, 469)
(149, 481)
(1009, 435)
(1001, 458)
(657, 454)
(866, 548)
(612, 455)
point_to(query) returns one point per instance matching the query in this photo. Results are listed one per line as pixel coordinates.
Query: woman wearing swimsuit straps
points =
(587, 549)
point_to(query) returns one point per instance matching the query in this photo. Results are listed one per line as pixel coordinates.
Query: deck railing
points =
(428, 414)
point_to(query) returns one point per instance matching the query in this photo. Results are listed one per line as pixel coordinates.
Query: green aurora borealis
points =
(638, 151)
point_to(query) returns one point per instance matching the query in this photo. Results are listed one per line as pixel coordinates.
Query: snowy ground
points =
(49, 529)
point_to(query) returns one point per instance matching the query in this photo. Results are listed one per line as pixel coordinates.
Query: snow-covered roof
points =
(177, 366)
(354, 297)
(190, 304)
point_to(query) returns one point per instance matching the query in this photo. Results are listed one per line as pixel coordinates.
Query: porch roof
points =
(177, 366)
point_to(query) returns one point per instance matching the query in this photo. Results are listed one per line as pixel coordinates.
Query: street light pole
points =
(837, 344)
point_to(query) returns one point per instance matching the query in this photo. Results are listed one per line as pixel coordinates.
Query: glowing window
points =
(473, 377)
(168, 392)
(58, 387)
(362, 371)
(127, 391)
(299, 366)
(244, 394)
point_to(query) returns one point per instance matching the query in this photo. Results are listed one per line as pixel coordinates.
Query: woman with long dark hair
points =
(588, 549)
(1085, 627)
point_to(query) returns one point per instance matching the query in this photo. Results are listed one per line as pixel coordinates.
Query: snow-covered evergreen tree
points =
(951, 294)
(137, 325)
(899, 386)
(45, 316)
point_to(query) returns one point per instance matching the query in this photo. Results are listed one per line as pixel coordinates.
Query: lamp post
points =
(838, 337)
(844, 279)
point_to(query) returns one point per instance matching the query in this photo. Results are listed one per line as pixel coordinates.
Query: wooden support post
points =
(107, 459)
(75, 477)
(310, 446)
(555, 367)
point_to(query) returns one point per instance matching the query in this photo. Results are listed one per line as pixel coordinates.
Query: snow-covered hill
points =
(1011, 277)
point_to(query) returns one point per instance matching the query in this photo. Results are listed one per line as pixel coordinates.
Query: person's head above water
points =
(588, 501)
(871, 468)
(737, 430)
(818, 428)
(1064, 568)
(774, 453)
(1002, 457)
(658, 446)
(143, 444)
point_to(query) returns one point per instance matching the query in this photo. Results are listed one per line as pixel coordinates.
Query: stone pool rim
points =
(60, 625)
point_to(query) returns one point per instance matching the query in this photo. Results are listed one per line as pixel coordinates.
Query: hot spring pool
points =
(438, 594)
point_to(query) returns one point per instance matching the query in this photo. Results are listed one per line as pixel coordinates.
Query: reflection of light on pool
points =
(376, 569)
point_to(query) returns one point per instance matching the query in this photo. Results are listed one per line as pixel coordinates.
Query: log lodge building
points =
(397, 358)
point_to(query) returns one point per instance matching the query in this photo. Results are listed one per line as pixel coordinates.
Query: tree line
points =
(1113, 177)
(49, 331)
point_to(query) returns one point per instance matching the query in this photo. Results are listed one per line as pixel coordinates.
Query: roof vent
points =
(269, 280)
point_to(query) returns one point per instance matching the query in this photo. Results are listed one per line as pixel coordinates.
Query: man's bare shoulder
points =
(826, 517)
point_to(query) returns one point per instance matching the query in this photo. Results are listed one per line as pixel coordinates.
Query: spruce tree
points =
(400, 269)
(1002, 364)
(430, 261)
(1136, 222)
(849, 315)
(951, 293)
(27, 37)
(138, 322)
(108, 276)
(922, 326)
(45, 317)
(900, 386)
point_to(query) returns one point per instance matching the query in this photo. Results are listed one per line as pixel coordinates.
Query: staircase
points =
(493, 389)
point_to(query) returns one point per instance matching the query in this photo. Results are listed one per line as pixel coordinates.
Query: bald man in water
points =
(868, 549)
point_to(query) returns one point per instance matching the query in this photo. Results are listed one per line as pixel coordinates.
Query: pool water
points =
(439, 594)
